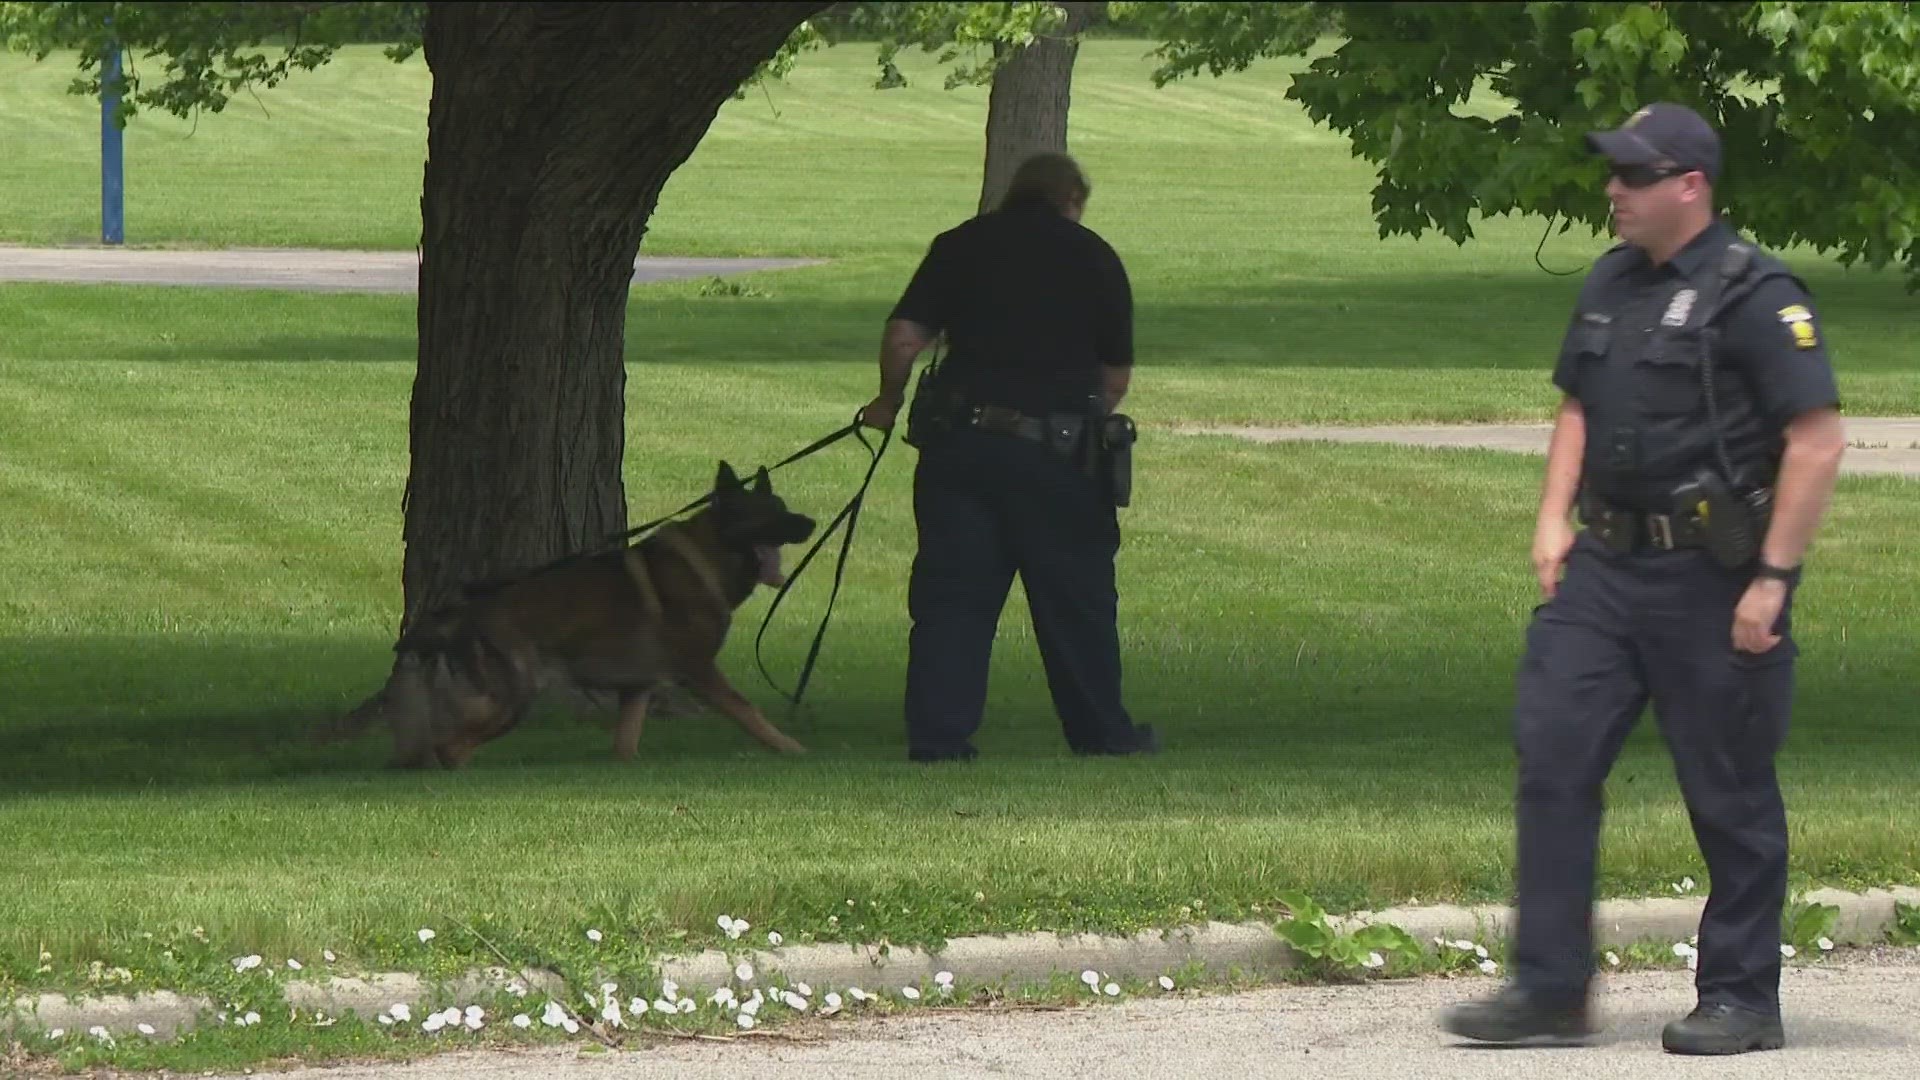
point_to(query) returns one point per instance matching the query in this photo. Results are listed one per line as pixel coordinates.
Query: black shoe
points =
(1145, 740)
(1515, 1015)
(1719, 1028)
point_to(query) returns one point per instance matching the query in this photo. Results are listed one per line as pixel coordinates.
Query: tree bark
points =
(551, 130)
(1027, 106)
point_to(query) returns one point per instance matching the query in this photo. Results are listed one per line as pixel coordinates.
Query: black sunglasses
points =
(1644, 176)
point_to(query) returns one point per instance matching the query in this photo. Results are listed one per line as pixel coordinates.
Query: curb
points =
(1243, 949)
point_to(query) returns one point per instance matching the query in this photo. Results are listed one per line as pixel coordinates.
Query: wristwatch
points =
(1777, 573)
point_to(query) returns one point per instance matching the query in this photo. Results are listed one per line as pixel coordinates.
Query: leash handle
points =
(850, 516)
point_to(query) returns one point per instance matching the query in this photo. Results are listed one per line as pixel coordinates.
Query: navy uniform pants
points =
(1623, 631)
(987, 506)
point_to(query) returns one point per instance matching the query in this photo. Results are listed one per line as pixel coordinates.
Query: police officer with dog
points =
(1023, 459)
(1699, 439)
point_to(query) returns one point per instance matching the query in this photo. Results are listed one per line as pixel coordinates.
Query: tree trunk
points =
(1027, 106)
(551, 130)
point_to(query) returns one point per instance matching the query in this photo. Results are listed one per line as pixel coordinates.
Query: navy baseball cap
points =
(1662, 134)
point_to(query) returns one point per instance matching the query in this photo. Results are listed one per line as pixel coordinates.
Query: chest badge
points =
(1679, 308)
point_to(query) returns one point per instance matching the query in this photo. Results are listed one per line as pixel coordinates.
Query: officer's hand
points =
(1753, 619)
(1552, 539)
(880, 412)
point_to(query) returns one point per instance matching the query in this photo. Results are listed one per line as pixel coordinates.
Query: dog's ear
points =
(762, 484)
(725, 478)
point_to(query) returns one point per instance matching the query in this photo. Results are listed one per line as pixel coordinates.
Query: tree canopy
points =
(1818, 105)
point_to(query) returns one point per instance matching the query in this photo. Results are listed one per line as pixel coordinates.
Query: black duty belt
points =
(1624, 529)
(1062, 429)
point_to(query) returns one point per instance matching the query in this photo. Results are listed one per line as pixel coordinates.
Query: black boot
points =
(1517, 1015)
(1718, 1028)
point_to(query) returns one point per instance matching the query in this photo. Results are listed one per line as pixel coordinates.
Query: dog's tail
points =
(434, 636)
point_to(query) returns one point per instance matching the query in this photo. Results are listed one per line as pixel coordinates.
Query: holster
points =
(1732, 526)
(1114, 459)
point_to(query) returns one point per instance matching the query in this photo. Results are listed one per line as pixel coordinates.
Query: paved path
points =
(1858, 1018)
(1880, 444)
(304, 269)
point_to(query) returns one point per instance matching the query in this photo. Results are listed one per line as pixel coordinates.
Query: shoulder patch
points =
(1800, 321)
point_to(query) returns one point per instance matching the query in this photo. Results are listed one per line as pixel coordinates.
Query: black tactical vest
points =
(1645, 354)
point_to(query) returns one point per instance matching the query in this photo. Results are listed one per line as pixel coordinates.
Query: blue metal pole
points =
(113, 178)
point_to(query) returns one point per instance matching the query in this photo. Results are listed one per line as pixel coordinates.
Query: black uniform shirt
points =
(1033, 305)
(1770, 342)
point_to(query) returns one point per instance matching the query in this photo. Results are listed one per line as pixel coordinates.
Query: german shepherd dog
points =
(630, 621)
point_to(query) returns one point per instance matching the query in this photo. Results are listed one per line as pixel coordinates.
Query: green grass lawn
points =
(199, 523)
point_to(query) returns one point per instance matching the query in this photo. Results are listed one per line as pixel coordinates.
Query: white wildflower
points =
(1488, 967)
(910, 993)
(1374, 960)
(144, 1029)
(1166, 983)
(1787, 951)
(1090, 977)
(1113, 989)
(745, 1020)
(743, 971)
(522, 1021)
(327, 954)
(774, 939)
(1613, 958)
(400, 1011)
(246, 963)
(593, 935)
(426, 935)
(293, 964)
(1825, 943)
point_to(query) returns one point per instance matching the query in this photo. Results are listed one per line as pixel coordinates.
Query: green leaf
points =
(1302, 907)
(1308, 937)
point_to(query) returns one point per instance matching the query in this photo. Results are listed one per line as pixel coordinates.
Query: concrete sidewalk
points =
(1884, 445)
(302, 269)
(1854, 1018)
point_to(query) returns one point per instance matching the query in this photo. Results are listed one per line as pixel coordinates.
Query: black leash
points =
(804, 452)
(850, 516)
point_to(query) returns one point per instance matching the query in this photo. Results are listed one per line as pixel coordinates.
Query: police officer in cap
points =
(1699, 439)
(1021, 459)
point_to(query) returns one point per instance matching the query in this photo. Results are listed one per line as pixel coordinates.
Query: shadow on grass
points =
(131, 712)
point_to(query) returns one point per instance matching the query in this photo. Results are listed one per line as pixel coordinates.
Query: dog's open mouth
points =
(769, 555)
